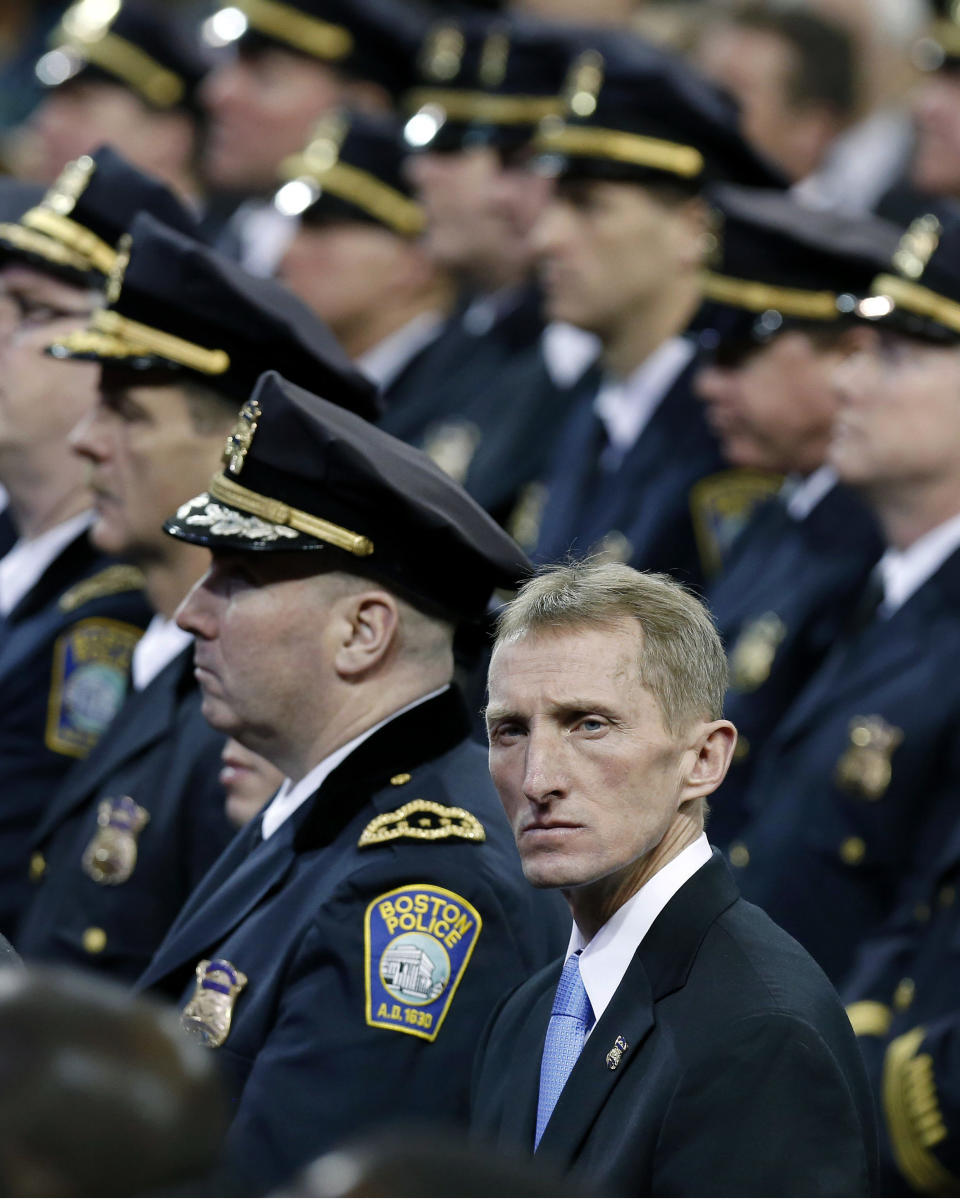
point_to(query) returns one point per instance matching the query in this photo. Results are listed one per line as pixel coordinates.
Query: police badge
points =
(865, 766)
(754, 651)
(112, 852)
(240, 438)
(207, 1015)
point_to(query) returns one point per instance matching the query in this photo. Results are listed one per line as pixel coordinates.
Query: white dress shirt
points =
(904, 572)
(626, 406)
(605, 958)
(26, 560)
(567, 352)
(162, 641)
(803, 495)
(291, 795)
(384, 361)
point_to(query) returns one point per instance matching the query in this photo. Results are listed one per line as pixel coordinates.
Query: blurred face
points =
(262, 108)
(519, 197)
(899, 417)
(260, 622)
(936, 162)
(145, 459)
(773, 410)
(41, 398)
(248, 780)
(607, 250)
(587, 774)
(465, 232)
(77, 118)
(344, 270)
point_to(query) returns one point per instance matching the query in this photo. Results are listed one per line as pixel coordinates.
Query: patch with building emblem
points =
(423, 820)
(91, 666)
(418, 940)
(721, 505)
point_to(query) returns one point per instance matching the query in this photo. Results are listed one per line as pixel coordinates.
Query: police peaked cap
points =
(176, 305)
(369, 39)
(634, 111)
(780, 259)
(353, 169)
(139, 44)
(74, 230)
(919, 292)
(301, 474)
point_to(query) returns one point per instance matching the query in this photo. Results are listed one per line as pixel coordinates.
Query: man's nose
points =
(197, 611)
(544, 777)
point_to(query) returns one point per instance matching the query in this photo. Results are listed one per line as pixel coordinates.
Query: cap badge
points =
(865, 766)
(442, 53)
(241, 438)
(70, 185)
(917, 245)
(111, 855)
(493, 59)
(119, 269)
(208, 1013)
(325, 142)
(616, 1052)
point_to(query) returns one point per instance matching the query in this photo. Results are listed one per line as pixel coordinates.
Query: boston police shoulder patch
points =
(721, 505)
(91, 664)
(423, 820)
(418, 940)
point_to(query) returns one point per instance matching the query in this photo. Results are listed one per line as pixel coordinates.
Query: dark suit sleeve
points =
(769, 1112)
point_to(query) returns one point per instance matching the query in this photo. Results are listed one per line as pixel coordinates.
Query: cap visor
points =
(205, 521)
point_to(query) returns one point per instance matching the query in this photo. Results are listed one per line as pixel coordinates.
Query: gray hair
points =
(681, 659)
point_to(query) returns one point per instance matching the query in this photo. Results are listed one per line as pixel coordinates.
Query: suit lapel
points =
(660, 966)
(145, 717)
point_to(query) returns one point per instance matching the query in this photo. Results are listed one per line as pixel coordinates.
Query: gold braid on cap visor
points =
(484, 106)
(286, 23)
(590, 142)
(918, 300)
(158, 85)
(758, 297)
(109, 335)
(364, 190)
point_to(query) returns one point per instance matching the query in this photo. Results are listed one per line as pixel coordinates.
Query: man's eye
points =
(592, 724)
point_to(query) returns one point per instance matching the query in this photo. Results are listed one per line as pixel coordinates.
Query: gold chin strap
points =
(286, 23)
(109, 335)
(621, 147)
(758, 297)
(234, 494)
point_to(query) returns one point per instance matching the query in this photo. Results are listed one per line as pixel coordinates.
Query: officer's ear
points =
(366, 632)
(707, 759)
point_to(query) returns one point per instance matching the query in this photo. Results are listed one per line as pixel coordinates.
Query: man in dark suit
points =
(342, 956)
(690, 1047)
(855, 789)
(637, 475)
(796, 573)
(70, 613)
(181, 343)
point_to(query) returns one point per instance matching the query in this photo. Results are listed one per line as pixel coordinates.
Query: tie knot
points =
(571, 999)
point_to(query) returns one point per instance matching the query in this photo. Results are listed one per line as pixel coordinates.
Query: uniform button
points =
(947, 895)
(852, 850)
(400, 780)
(903, 996)
(38, 867)
(922, 913)
(94, 940)
(739, 855)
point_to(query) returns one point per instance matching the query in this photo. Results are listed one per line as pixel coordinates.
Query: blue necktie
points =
(570, 1019)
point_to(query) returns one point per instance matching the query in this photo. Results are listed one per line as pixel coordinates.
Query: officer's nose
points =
(544, 778)
(197, 613)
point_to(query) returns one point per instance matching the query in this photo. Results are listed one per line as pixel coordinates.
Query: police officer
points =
(637, 475)
(181, 342)
(71, 613)
(343, 955)
(855, 791)
(796, 572)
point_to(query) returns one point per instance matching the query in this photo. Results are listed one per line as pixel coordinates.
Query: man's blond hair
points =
(680, 655)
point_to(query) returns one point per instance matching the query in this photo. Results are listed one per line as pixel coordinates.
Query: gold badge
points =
(119, 269)
(493, 59)
(616, 1052)
(452, 446)
(208, 1013)
(112, 853)
(70, 186)
(583, 83)
(442, 54)
(423, 820)
(917, 245)
(754, 651)
(864, 767)
(241, 438)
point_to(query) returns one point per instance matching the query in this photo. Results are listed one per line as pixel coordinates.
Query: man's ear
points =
(365, 632)
(708, 760)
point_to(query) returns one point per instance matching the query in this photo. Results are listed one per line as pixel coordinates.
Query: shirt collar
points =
(384, 361)
(803, 494)
(904, 572)
(605, 958)
(292, 795)
(24, 564)
(162, 641)
(626, 406)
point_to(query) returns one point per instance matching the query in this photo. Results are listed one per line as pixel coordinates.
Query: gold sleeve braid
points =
(914, 1120)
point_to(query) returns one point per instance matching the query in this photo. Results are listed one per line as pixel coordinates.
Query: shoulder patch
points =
(91, 665)
(721, 505)
(417, 942)
(424, 820)
(109, 582)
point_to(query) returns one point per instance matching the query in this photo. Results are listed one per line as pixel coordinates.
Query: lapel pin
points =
(616, 1052)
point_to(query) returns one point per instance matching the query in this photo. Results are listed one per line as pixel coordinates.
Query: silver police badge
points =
(111, 855)
(208, 1013)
